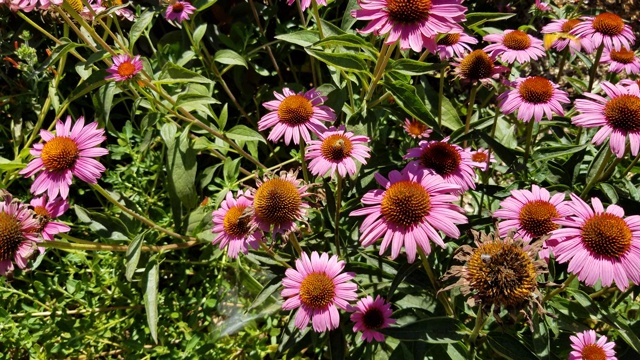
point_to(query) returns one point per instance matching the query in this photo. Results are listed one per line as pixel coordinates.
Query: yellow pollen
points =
(76, 5)
(536, 90)
(60, 153)
(317, 291)
(416, 128)
(623, 113)
(10, 236)
(570, 24)
(408, 11)
(593, 352)
(624, 56)
(235, 222)
(295, 110)
(277, 202)
(476, 66)
(449, 39)
(336, 147)
(517, 40)
(501, 274)
(126, 69)
(608, 24)
(405, 203)
(536, 217)
(373, 318)
(479, 157)
(606, 235)
(441, 157)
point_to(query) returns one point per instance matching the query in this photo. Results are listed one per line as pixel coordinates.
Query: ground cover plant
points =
(345, 179)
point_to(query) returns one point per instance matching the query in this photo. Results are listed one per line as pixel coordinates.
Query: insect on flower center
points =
(373, 318)
(317, 290)
(623, 113)
(536, 217)
(536, 90)
(177, 7)
(59, 153)
(126, 69)
(479, 157)
(606, 235)
(10, 236)
(441, 157)
(277, 201)
(449, 39)
(295, 110)
(517, 40)
(608, 24)
(43, 216)
(624, 56)
(570, 24)
(336, 147)
(405, 203)
(593, 352)
(476, 66)
(236, 222)
(501, 273)
(408, 11)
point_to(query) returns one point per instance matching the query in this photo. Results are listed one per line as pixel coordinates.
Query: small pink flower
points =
(20, 5)
(542, 6)
(294, 115)
(48, 210)
(69, 152)
(411, 210)
(336, 151)
(607, 29)
(304, 4)
(99, 6)
(317, 287)
(411, 22)
(478, 66)
(599, 245)
(124, 67)
(532, 98)
(561, 29)
(449, 45)
(416, 129)
(235, 225)
(515, 45)
(618, 61)
(179, 11)
(481, 159)
(585, 347)
(370, 316)
(18, 234)
(619, 116)
(448, 160)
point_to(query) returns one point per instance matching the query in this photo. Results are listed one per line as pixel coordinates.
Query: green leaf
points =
(229, 57)
(434, 330)
(541, 340)
(346, 40)
(344, 61)
(151, 297)
(509, 347)
(266, 294)
(337, 344)
(133, 255)
(553, 152)
(610, 191)
(192, 101)
(181, 165)
(450, 118)
(405, 96)
(413, 67)
(60, 50)
(303, 38)
(199, 32)
(479, 18)
(244, 133)
(6, 164)
(504, 153)
(140, 25)
(222, 118)
(176, 74)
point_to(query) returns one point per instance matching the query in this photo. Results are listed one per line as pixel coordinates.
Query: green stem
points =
(381, 64)
(440, 96)
(560, 289)
(305, 171)
(434, 282)
(628, 168)
(24, 295)
(86, 246)
(273, 255)
(480, 319)
(472, 100)
(563, 61)
(529, 137)
(296, 245)
(338, 208)
(316, 15)
(597, 175)
(594, 68)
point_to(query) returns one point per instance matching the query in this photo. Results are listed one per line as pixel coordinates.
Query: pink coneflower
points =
(20, 5)
(449, 45)
(48, 210)
(598, 244)
(318, 287)
(558, 34)
(531, 213)
(410, 21)
(448, 160)
(370, 316)
(234, 224)
(69, 152)
(179, 11)
(618, 61)
(411, 209)
(416, 129)
(336, 151)
(124, 67)
(585, 347)
(304, 4)
(618, 116)
(607, 29)
(533, 97)
(99, 6)
(481, 159)
(18, 234)
(478, 66)
(542, 6)
(515, 45)
(277, 203)
(293, 115)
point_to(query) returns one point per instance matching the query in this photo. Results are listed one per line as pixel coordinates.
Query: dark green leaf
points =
(140, 25)
(151, 297)
(176, 74)
(435, 330)
(337, 344)
(244, 133)
(405, 96)
(133, 255)
(229, 57)
(343, 61)
(303, 38)
(413, 67)
(509, 347)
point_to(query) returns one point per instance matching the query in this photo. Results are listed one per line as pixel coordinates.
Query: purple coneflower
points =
(179, 11)
(607, 29)
(336, 151)
(124, 67)
(370, 316)
(585, 347)
(235, 225)
(624, 59)
(48, 210)
(532, 98)
(18, 234)
(514, 45)
(450, 45)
